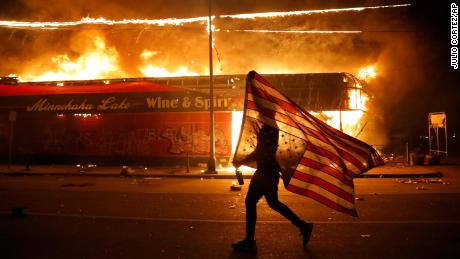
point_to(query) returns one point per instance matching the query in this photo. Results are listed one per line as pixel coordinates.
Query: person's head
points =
(268, 136)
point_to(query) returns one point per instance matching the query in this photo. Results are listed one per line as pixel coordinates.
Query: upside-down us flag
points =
(316, 160)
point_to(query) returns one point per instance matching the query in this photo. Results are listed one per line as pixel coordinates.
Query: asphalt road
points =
(91, 217)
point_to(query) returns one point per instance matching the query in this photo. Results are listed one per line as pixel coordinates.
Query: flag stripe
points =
(324, 160)
(322, 199)
(276, 124)
(310, 163)
(307, 178)
(302, 170)
(319, 190)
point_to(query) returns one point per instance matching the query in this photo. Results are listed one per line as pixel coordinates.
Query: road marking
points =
(235, 221)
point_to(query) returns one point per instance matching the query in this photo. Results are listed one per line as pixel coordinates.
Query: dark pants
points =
(265, 186)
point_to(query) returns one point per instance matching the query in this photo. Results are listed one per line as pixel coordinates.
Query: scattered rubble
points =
(422, 180)
(235, 187)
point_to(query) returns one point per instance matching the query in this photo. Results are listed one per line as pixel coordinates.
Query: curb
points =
(133, 175)
(206, 176)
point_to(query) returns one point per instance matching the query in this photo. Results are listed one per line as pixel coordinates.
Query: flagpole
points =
(212, 157)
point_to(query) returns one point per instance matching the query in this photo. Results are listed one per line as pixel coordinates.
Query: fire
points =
(98, 61)
(308, 12)
(153, 71)
(347, 121)
(297, 31)
(237, 120)
(100, 21)
(95, 62)
(367, 74)
(179, 21)
(150, 70)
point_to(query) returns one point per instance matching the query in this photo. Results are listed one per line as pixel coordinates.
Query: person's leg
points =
(304, 227)
(252, 197)
(275, 204)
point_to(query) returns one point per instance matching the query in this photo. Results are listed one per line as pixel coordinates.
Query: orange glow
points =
(101, 21)
(97, 61)
(150, 70)
(350, 120)
(367, 74)
(357, 98)
(153, 71)
(180, 21)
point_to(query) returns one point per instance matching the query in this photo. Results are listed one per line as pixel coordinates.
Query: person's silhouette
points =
(264, 182)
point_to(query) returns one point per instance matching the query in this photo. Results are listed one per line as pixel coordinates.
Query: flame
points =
(96, 62)
(367, 74)
(297, 31)
(180, 21)
(150, 70)
(346, 121)
(101, 21)
(307, 12)
(357, 98)
(237, 120)
(153, 71)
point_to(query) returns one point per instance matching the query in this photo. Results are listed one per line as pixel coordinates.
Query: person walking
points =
(264, 182)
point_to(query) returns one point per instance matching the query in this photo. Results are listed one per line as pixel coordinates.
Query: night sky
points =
(412, 46)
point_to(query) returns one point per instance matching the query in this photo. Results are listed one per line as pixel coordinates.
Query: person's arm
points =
(250, 158)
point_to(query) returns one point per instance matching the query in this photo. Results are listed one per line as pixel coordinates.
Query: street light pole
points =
(212, 157)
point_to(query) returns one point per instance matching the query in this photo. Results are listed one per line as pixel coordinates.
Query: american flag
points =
(316, 160)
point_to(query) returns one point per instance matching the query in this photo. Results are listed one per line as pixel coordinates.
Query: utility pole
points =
(212, 157)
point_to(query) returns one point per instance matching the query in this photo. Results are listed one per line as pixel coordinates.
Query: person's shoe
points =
(245, 246)
(305, 231)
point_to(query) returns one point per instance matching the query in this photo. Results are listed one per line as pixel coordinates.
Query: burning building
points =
(155, 106)
(154, 120)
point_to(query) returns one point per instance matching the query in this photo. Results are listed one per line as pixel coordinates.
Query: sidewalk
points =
(386, 171)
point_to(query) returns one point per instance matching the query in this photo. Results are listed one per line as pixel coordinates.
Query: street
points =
(122, 217)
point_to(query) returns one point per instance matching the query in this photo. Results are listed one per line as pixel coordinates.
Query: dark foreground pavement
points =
(153, 217)
(51, 236)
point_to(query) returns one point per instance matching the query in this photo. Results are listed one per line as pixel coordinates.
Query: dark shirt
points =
(266, 162)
